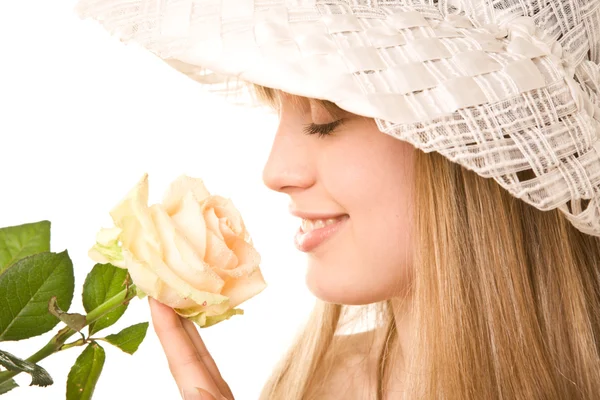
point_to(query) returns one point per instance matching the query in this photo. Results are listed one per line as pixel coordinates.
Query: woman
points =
(486, 288)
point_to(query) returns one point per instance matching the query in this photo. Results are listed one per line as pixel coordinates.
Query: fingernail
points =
(192, 394)
(206, 395)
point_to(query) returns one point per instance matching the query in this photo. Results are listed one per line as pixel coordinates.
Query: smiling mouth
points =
(309, 225)
(315, 234)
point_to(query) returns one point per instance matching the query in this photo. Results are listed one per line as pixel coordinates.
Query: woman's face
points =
(358, 173)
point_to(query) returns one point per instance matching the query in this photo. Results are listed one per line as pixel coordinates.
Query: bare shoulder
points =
(352, 364)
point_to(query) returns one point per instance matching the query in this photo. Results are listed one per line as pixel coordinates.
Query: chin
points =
(336, 291)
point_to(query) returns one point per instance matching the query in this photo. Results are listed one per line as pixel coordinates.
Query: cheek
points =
(368, 263)
(372, 260)
(367, 173)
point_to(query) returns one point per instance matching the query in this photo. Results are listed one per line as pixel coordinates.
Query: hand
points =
(192, 366)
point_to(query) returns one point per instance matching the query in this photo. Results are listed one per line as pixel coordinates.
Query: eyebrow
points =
(271, 98)
(335, 111)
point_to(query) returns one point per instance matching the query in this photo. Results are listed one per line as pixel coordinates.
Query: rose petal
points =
(238, 245)
(230, 217)
(173, 281)
(186, 251)
(108, 236)
(149, 282)
(226, 232)
(218, 255)
(98, 256)
(179, 188)
(107, 249)
(242, 289)
(211, 220)
(180, 256)
(225, 209)
(140, 237)
(206, 320)
(132, 216)
(247, 256)
(212, 310)
(246, 280)
(190, 222)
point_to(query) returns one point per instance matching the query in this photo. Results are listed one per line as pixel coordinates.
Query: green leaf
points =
(73, 320)
(8, 386)
(129, 339)
(39, 376)
(26, 288)
(84, 374)
(20, 241)
(103, 282)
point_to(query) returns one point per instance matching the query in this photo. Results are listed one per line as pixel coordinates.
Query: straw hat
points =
(506, 88)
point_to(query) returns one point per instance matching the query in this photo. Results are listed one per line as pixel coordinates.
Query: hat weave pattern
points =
(506, 88)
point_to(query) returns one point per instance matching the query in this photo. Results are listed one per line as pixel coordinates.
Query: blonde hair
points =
(506, 299)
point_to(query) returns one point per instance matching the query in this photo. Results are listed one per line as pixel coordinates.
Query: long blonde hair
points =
(506, 299)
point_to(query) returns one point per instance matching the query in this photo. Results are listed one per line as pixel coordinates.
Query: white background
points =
(82, 117)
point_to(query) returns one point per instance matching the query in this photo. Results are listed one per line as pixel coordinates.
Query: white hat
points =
(497, 86)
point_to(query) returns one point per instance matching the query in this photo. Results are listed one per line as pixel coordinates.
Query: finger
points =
(185, 364)
(208, 396)
(206, 358)
(197, 394)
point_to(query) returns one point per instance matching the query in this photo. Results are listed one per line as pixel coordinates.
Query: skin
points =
(355, 170)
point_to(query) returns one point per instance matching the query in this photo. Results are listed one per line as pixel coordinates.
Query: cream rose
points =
(192, 252)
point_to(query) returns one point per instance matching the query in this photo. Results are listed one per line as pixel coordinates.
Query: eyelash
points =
(321, 129)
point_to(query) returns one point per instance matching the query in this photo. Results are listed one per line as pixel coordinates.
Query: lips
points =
(315, 215)
(308, 241)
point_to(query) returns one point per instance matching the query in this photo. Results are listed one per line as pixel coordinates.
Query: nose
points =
(290, 166)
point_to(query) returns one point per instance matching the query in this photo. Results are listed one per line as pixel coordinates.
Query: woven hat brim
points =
(499, 97)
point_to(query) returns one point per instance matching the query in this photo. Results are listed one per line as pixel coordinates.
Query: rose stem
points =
(62, 335)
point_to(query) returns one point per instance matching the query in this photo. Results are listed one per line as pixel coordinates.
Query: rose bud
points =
(192, 252)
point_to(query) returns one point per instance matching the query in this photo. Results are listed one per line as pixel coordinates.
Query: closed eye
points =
(321, 129)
